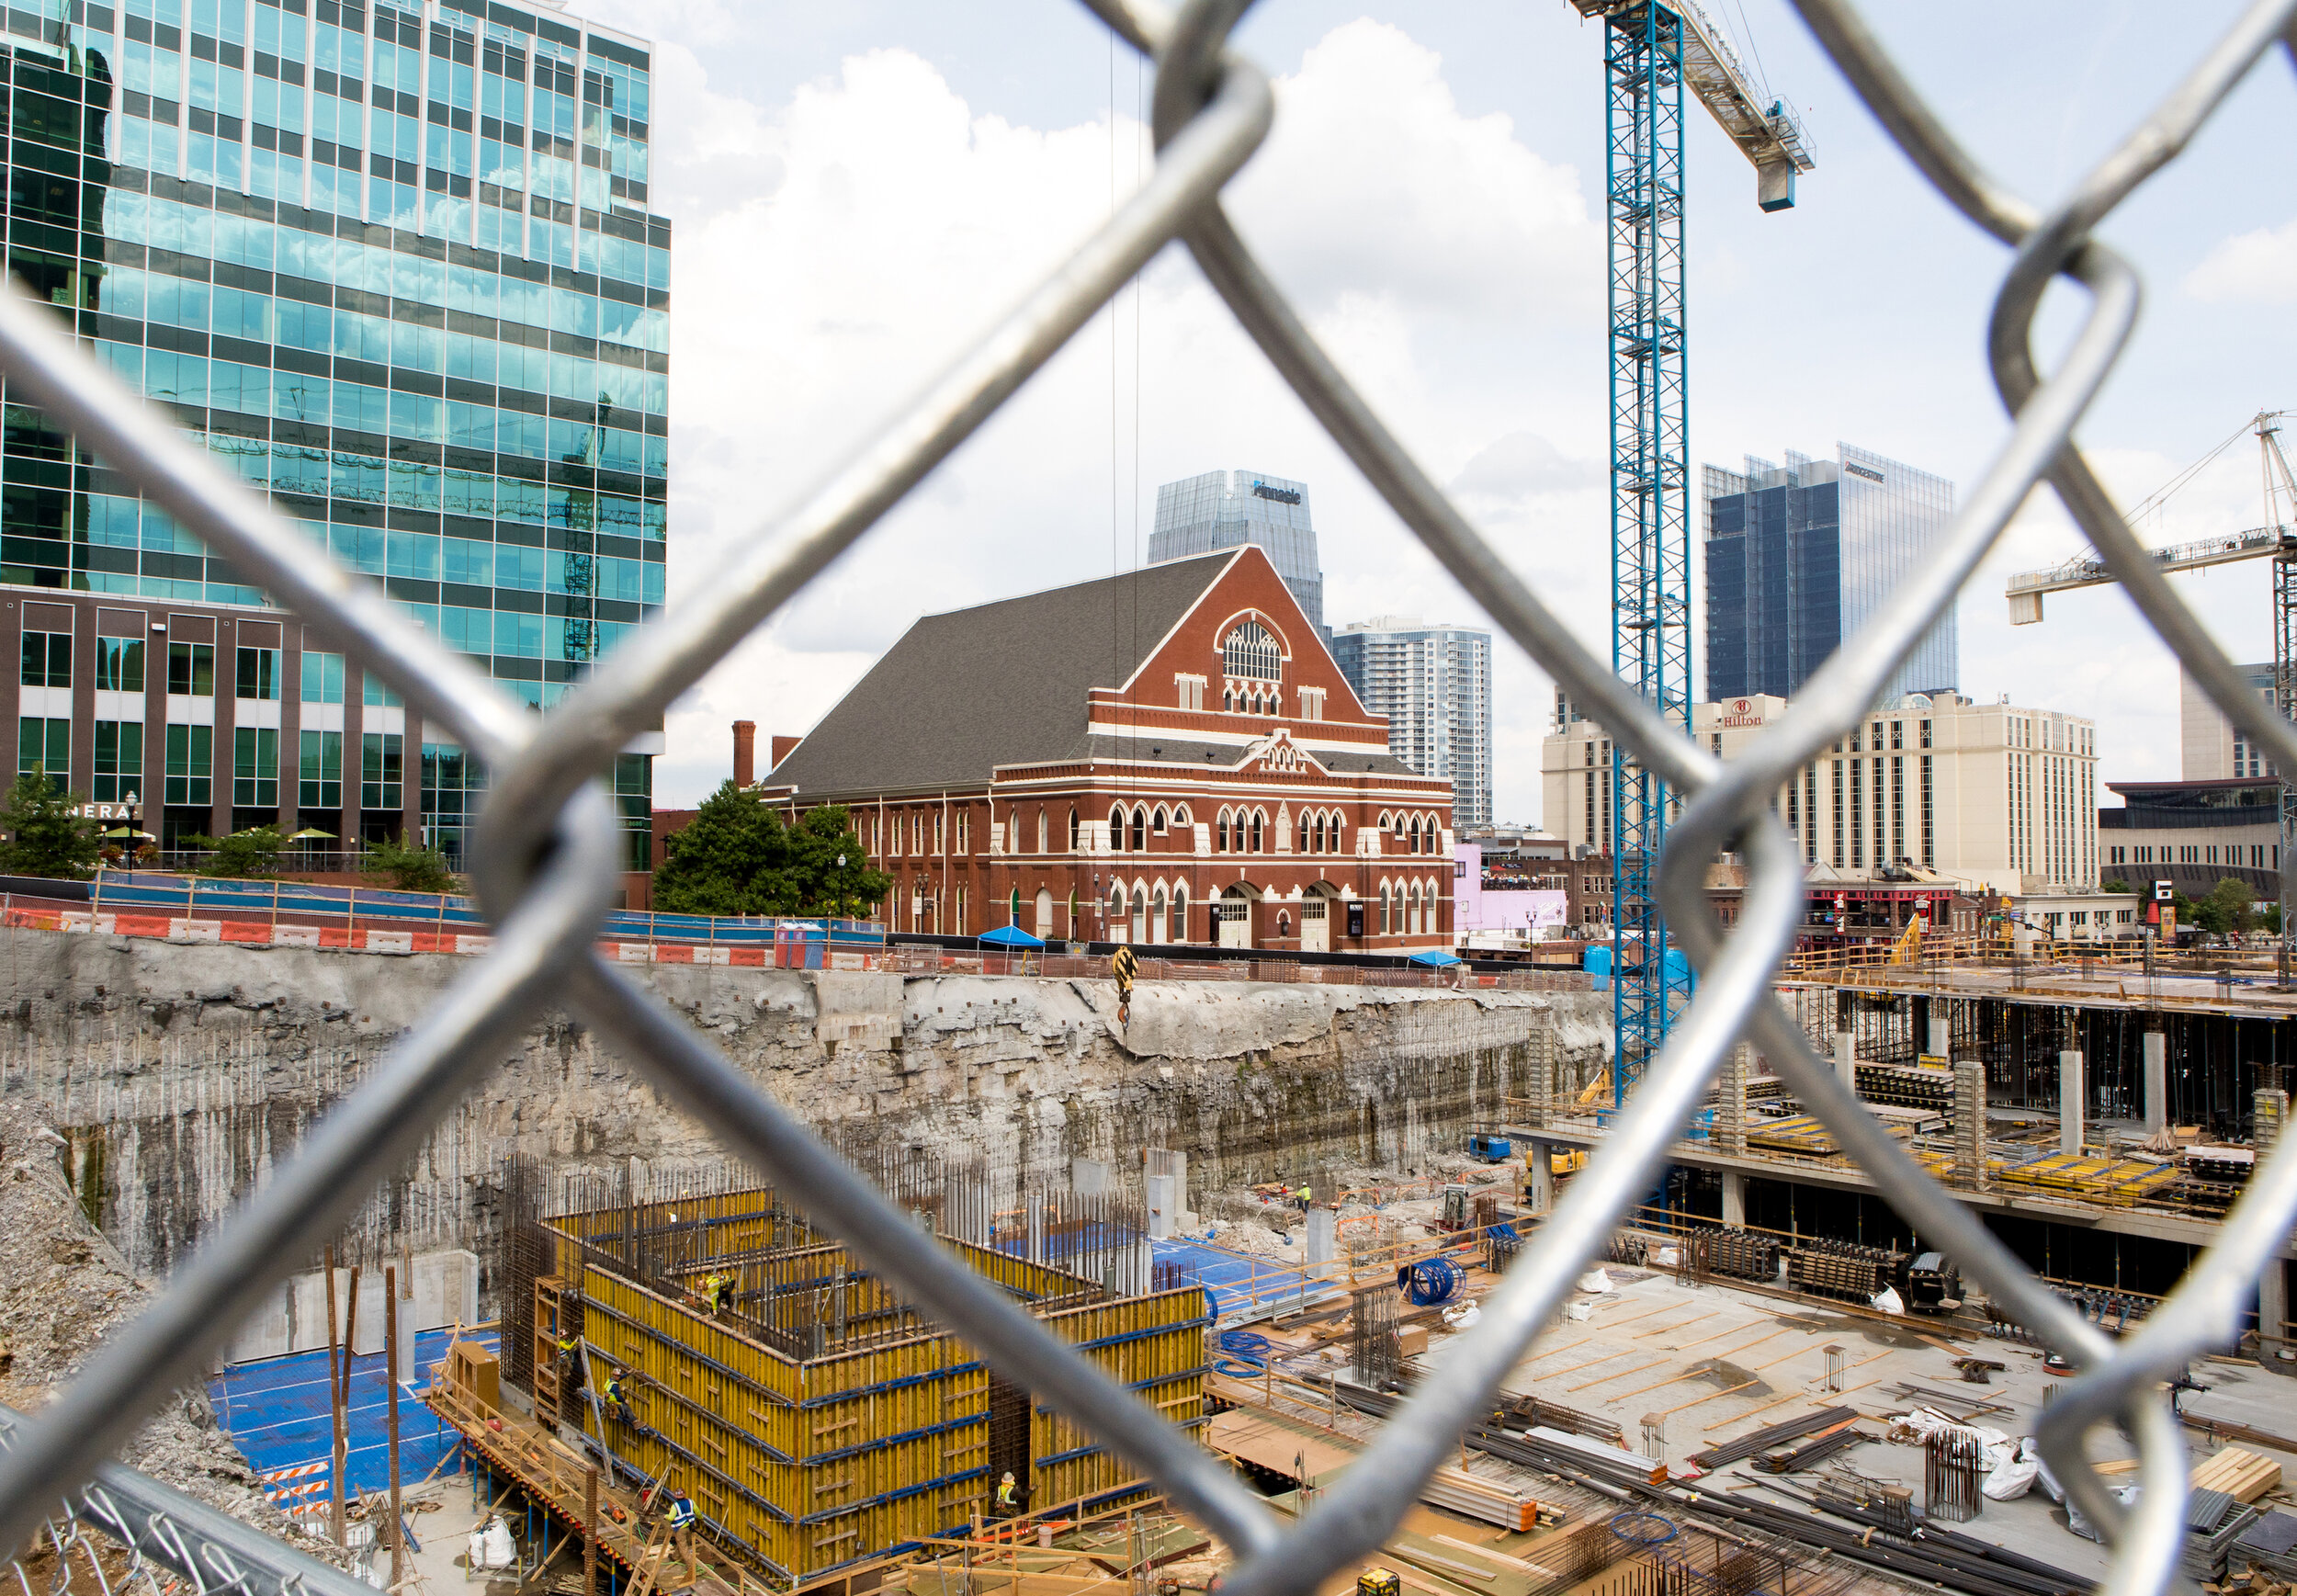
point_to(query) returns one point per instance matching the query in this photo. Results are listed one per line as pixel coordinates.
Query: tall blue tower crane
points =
(1651, 53)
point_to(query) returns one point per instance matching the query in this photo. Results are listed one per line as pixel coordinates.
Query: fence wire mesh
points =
(548, 846)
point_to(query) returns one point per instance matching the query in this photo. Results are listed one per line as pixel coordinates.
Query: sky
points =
(859, 190)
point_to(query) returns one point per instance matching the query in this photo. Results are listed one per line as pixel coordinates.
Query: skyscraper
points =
(1798, 556)
(1433, 682)
(393, 266)
(1221, 510)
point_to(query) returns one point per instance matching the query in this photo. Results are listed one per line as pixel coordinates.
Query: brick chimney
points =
(745, 753)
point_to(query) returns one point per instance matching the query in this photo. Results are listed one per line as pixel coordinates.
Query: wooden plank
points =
(1710, 1396)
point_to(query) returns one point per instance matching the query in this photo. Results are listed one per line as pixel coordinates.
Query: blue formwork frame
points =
(1651, 528)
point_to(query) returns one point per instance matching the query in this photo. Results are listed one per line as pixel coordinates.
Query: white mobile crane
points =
(2276, 541)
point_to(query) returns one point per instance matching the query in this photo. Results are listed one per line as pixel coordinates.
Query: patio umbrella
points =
(1009, 936)
(312, 834)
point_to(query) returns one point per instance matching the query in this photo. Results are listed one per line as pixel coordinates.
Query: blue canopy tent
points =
(1009, 950)
(1440, 957)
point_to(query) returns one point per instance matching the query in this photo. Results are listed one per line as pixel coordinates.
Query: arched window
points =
(1160, 930)
(1117, 828)
(1012, 826)
(1411, 845)
(1180, 914)
(1140, 829)
(1387, 821)
(1387, 910)
(1248, 652)
(1220, 834)
(1256, 831)
(1316, 845)
(1072, 829)
(1041, 838)
(1157, 826)
(1411, 914)
(1140, 915)
(1180, 816)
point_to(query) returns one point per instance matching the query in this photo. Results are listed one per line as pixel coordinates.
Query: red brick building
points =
(1162, 757)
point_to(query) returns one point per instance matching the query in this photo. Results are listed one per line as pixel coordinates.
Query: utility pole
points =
(335, 1409)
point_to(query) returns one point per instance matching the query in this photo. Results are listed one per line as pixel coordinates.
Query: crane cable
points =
(2153, 504)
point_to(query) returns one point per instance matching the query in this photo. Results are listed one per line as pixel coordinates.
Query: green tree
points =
(2114, 887)
(736, 857)
(733, 847)
(44, 837)
(2270, 918)
(251, 854)
(826, 871)
(409, 869)
(2230, 908)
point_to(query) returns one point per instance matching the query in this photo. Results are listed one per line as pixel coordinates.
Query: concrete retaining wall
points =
(182, 1073)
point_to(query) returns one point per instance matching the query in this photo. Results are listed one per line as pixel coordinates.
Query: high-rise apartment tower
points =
(1798, 556)
(1222, 509)
(1433, 682)
(393, 265)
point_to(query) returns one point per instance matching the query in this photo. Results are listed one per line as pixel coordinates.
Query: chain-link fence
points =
(549, 846)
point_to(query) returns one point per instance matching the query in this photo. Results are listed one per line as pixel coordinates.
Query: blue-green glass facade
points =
(393, 265)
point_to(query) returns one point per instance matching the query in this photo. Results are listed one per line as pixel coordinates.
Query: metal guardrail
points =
(550, 843)
(159, 1528)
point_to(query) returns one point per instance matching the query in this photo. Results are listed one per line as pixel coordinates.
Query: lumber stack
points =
(1493, 1501)
(2243, 1475)
(1615, 1460)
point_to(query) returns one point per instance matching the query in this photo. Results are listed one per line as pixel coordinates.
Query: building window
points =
(1898, 798)
(46, 660)
(323, 678)
(191, 756)
(46, 746)
(452, 782)
(964, 840)
(119, 761)
(1249, 652)
(1140, 829)
(321, 783)
(1116, 829)
(119, 665)
(1220, 833)
(1041, 845)
(1311, 702)
(1189, 691)
(256, 764)
(941, 837)
(1256, 831)
(1157, 827)
(191, 670)
(259, 674)
(381, 770)
(1072, 848)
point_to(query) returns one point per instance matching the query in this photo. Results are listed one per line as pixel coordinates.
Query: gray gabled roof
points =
(1000, 683)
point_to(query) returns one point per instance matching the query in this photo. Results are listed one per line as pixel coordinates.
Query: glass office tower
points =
(392, 265)
(1798, 556)
(1221, 510)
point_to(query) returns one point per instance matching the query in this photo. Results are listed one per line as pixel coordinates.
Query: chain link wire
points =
(548, 843)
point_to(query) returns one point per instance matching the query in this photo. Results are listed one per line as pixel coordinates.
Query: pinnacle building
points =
(394, 266)
(1798, 556)
(1204, 514)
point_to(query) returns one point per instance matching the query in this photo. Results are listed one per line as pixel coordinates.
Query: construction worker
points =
(680, 1515)
(571, 1361)
(725, 1296)
(1304, 1196)
(1006, 1504)
(618, 1402)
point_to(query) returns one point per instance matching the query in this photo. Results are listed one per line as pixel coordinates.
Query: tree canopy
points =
(2229, 908)
(409, 869)
(44, 837)
(251, 854)
(737, 857)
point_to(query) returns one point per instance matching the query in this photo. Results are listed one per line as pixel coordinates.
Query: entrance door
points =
(1236, 923)
(1316, 928)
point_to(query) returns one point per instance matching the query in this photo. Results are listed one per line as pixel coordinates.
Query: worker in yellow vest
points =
(1006, 1491)
(1302, 1197)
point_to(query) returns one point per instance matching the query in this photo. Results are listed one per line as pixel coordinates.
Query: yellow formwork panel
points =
(1154, 1345)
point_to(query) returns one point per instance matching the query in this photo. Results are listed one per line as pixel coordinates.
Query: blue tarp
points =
(1009, 936)
(1435, 955)
(277, 1410)
(1679, 975)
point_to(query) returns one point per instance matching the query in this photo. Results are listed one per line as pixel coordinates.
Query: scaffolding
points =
(814, 1417)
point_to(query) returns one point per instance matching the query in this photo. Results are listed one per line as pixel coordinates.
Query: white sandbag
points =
(1596, 1282)
(1578, 1310)
(2050, 1486)
(1665, 1258)
(2010, 1478)
(1887, 1300)
(494, 1546)
(1463, 1317)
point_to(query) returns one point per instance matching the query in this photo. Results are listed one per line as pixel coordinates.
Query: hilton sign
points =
(1740, 712)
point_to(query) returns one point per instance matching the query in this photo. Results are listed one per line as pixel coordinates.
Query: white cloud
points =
(2257, 268)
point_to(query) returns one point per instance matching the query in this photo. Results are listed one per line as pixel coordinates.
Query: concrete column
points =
(1540, 1171)
(1163, 1211)
(1941, 1029)
(1089, 1177)
(1036, 1226)
(1734, 1197)
(2272, 1315)
(1729, 1133)
(1970, 1171)
(2154, 1105)
(1323, 1230)
(1847, 1058)
(2270, 1114)
(2070, 1100)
